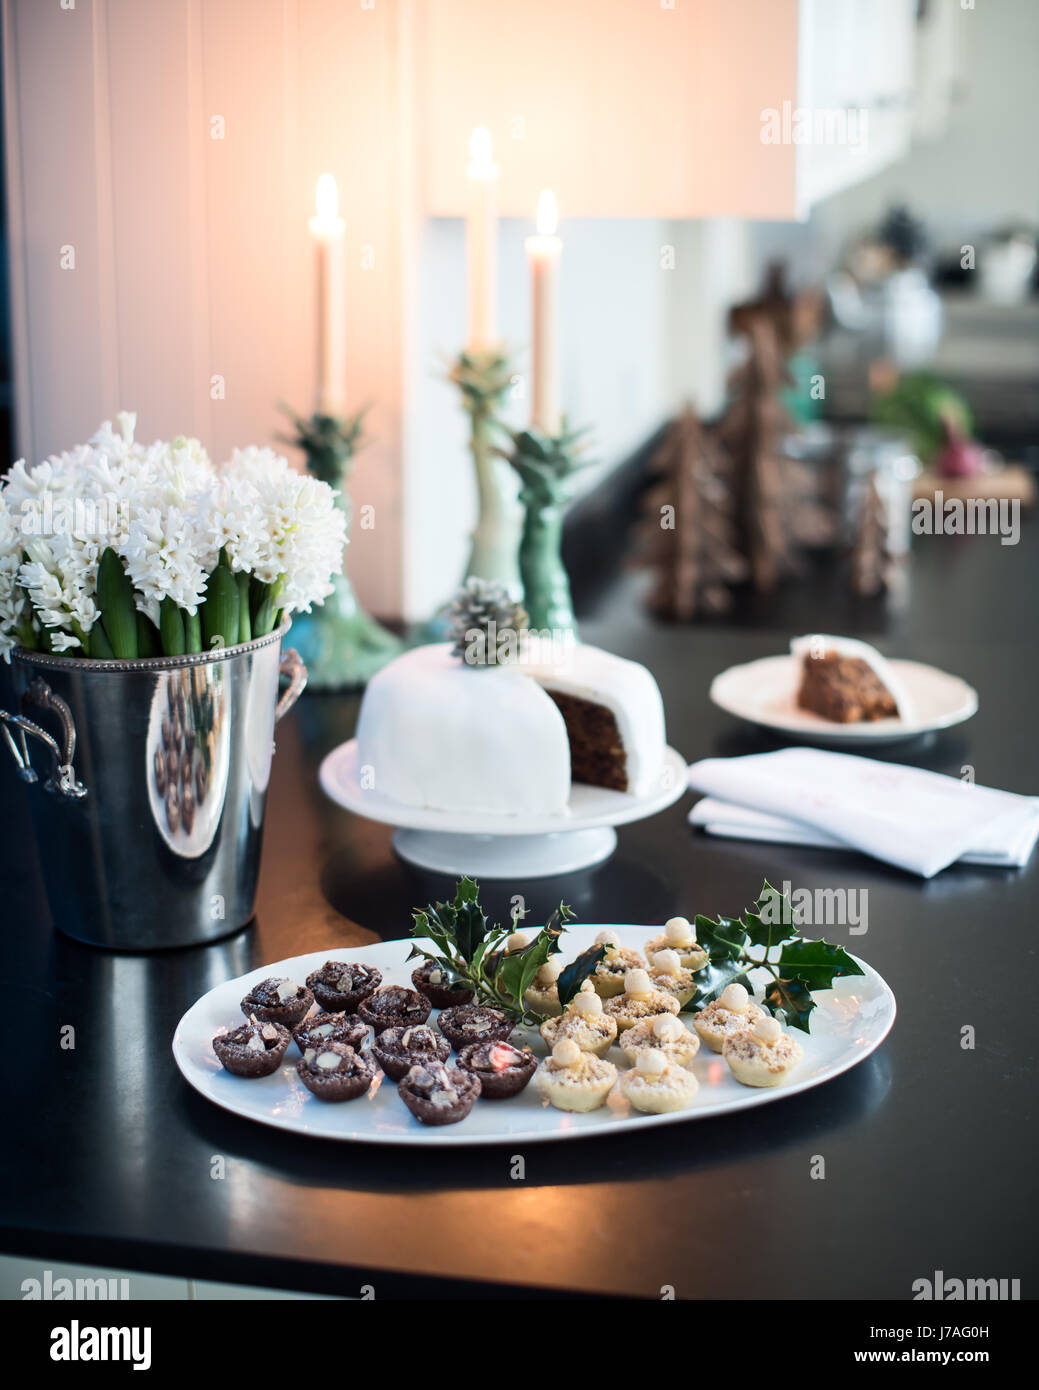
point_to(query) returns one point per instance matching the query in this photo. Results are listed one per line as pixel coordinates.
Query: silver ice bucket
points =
(150, 821)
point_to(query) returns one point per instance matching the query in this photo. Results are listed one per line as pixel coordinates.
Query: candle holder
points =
(344, 645)
(546, 465)
(483, 376)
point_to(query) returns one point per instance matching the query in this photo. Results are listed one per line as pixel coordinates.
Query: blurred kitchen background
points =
(858, 175)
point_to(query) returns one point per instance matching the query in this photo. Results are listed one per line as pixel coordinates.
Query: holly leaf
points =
(575, 974)
(723, 940)
(771, 920)
(792, 1001)
(817, 963)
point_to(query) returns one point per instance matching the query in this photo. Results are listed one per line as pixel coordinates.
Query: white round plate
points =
(851, 1020)
(764, 692)
(588, 807)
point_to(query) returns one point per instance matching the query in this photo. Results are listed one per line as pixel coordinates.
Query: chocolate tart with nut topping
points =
(320, 1029)
(393, 1006)
(340, 986)
(277, 1000)
(503, 1070)
(397, 1049)
(252, 1049)
(473, 1023)
(334, 1071)
(437, 1095)
(432, 980)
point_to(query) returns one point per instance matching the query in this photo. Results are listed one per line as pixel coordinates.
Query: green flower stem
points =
(244, 619)
(193, 631)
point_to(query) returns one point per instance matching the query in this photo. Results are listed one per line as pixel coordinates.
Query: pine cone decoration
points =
(483, 623)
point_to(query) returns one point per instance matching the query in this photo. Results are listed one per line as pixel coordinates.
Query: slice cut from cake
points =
(509, 739)
(847, 681)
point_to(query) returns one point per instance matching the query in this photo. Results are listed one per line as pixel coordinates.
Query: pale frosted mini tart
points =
(585, 1022)
(543, 994)
(667, 1034)
(437, 1095)
(393, 1006)
(433, 981)
(318, 1029)
(667, 972)
(276, 1000)
(574, 1080)
(679, 935)
(503, 1070)
(656, 1086)
(732, 1012)
(252, 1049)
(335, 1072)
(764, 1056)
(339, 986)
(640, 1000)
(398, 1049)
(608, 978)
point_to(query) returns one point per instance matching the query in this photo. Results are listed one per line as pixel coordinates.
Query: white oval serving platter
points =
(850, 1022)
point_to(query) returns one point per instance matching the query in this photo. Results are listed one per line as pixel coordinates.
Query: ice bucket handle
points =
(63, 778)
(291, 666)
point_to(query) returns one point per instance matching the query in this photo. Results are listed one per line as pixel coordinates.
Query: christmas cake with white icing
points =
(503, 721)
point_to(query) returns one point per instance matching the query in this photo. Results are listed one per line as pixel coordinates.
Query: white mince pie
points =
(574, 1080)
(608, 978)
(667, 1034)
(667, 972)
(655, 1086)
(732, 1012)
(543, 994)
(585, 1022)
(640, 1000)
(679, 935)
(764, 1056)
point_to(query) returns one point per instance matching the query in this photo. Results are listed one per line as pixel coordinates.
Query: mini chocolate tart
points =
(252, 1049)
(320, 1029)
(473, 1023)
(393, 1006)
(334, 1071)
(503, 1070)
(275, 1000)
(436, 1095)
(397, 1049)
(431, 980)
(340, 985)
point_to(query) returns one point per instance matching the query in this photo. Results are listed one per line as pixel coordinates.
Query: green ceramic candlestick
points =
(341, 645)
(546, 464)
(484, 377)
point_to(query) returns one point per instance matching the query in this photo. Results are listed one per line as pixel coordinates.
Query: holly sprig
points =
(470, 949)
(798, 967)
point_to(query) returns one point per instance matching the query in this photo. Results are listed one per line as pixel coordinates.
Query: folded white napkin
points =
(920, 821)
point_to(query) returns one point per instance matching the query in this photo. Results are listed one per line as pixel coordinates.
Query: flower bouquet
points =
(117, 549)
(144, 595)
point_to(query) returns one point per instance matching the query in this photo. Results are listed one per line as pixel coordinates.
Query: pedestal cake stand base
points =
(522, 846)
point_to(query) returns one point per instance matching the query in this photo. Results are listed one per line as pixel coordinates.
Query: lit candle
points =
(544, 251)
(328, 229)
(482, 238)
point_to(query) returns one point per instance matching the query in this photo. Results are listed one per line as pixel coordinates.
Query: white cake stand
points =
(518, 846)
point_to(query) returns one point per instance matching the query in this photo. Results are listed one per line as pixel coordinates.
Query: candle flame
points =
(327, 198)
(481, 150)
(548, 213)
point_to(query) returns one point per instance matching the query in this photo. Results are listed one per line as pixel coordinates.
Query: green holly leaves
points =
(798, 967)
(474, 951)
